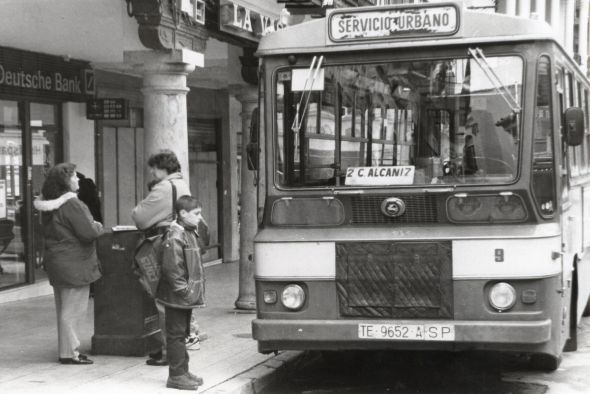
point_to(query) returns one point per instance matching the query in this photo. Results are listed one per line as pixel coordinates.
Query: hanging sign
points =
(106, 109)
(395, 22)
(248, 21)
(36, 75)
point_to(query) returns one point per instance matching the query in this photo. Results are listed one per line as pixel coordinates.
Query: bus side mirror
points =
(252, 148)
(574, 126)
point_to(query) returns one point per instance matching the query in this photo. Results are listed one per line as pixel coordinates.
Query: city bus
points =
(425, 184)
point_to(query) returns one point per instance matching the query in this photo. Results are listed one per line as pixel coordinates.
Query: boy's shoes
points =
(156, 362)
(192, 342)
(181, 382)
(197, 379)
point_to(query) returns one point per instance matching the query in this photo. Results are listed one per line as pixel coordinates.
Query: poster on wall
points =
(2, 199)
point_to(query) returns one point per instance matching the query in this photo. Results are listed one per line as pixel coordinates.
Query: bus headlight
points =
(505, 207)
(502, 296)
(293, 297)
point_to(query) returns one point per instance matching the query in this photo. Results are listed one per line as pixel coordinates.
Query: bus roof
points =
(476, 27)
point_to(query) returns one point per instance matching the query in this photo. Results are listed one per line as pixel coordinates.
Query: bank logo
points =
(89, 82)
(393, 207)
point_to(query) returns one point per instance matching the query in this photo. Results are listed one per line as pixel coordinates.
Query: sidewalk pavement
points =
(228, 360)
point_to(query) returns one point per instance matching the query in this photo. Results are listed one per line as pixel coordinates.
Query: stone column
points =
(248, 97)
(164, 111)
(507, 7)
(555, 12)
(568, 27)
(540, 10)
(524, 8)
(583, 34)
(164, 102)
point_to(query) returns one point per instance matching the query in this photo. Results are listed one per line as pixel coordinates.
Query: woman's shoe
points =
(76, 361)
(157, 355)
(156, 362)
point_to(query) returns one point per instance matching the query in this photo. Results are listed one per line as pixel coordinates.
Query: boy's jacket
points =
(183, 282)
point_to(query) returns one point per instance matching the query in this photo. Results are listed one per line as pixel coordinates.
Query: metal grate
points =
(395, 279)
(419, 209)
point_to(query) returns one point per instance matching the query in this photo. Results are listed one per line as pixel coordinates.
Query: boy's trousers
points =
(177, 329)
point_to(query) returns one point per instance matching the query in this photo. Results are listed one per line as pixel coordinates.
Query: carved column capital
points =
(162, 25)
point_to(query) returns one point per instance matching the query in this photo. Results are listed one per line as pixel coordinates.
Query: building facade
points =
(104, 85)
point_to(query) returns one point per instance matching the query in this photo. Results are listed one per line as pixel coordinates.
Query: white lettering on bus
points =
(399, 22)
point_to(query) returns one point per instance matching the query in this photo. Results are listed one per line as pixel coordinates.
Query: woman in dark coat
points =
(70, 255)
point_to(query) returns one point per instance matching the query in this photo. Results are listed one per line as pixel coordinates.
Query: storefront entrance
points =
(35, 89)
(30, 143)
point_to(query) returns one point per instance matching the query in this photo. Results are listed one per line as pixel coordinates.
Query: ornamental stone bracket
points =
(249, 63)
(165, 24)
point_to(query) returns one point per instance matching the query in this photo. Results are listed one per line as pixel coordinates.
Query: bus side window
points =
(543, 159)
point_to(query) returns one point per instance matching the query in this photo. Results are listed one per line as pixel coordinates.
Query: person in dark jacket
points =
(181, 289)
(70, 255)
(469, 160)
(88, 194)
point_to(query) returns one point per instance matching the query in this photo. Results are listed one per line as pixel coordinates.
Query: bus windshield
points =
(444, 121)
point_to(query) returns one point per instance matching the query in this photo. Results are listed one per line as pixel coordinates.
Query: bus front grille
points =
(395, 279)
(419, 209)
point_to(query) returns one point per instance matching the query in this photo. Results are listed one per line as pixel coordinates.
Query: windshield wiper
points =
(482, 62)
(313, 73)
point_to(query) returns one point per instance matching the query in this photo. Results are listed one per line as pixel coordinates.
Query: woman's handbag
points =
(147, 264)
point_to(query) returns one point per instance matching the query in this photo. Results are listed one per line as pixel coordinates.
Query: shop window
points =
(12, 263)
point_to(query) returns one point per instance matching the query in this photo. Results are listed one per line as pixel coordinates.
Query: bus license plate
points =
(409, 332)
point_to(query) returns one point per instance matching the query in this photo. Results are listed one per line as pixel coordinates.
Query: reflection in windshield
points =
(445, 119)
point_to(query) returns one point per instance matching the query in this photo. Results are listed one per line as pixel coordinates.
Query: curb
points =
(259, 377)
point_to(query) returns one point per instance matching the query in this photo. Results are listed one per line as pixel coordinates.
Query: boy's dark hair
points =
(57, 180)
(188, 203)
(165, 160)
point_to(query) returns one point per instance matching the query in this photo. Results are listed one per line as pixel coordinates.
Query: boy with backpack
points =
(182, 288)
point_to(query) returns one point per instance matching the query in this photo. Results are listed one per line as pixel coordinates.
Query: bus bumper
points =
(330, 334)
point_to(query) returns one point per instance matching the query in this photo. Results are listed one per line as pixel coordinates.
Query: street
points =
(435, 372)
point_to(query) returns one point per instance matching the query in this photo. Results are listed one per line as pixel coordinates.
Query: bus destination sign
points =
(382, 23)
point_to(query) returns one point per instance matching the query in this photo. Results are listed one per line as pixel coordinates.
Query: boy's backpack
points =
(147, 262)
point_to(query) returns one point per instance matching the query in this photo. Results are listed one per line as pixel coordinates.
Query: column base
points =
(246, 303)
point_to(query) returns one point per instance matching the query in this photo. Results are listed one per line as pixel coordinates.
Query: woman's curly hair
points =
(165, 160)
(57, 181)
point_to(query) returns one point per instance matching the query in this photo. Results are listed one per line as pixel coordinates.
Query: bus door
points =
(567, 217)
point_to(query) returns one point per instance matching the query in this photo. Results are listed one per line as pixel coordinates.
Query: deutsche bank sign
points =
(372, 23)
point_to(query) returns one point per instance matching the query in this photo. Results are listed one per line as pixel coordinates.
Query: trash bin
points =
(125, 317)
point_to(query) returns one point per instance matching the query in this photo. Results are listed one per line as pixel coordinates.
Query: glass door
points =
(25, 155)
(13, 270)
(45, 145)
